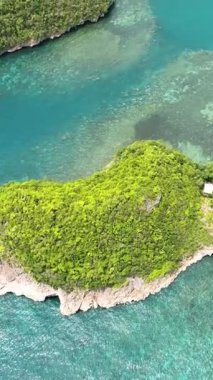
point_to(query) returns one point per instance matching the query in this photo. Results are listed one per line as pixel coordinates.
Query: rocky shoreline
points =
(14, 280)
(31, 43)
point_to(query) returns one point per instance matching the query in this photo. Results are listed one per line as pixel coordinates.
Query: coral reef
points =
(86, 53)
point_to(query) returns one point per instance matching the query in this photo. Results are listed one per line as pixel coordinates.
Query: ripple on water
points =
(168, 336)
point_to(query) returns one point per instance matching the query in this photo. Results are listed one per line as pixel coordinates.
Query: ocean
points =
(145, 71)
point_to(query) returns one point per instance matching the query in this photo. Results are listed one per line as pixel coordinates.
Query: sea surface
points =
(145, 71)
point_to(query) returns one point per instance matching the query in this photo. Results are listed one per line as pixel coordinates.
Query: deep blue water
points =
(65, 108)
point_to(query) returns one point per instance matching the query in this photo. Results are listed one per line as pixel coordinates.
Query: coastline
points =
(14, 280)
(33, 42)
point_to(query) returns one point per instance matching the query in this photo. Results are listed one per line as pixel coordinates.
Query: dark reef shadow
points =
(155, 127)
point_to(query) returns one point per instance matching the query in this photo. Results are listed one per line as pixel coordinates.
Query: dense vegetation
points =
(140, 216)
(23, 21)
(207, 172)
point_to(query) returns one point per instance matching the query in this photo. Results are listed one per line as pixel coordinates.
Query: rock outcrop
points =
(14, 280)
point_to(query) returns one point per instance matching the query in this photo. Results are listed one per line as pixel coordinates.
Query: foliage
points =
(140, 216)
(207, 172)
(208, 213)
(23, 21)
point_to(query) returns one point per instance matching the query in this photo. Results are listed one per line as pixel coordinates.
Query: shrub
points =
(207, 172)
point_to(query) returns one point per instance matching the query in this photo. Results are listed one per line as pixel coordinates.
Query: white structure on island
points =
(208, 188)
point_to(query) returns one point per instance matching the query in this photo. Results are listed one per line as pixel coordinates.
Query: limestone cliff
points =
(14, 280)
(29, 24)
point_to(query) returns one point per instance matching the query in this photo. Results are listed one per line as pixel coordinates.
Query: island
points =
(117, 236)
(27, 23)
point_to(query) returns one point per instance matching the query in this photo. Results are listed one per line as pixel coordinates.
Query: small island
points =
(28, 23)
(115, 237)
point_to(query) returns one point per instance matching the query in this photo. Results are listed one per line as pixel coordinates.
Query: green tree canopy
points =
(140, 216)
(26, 21)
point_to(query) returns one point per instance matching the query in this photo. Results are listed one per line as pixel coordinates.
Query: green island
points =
(27, 22)
(139, 216)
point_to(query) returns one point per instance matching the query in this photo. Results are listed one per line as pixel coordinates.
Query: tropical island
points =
(117, 236)
(136, 220)
(27, 23)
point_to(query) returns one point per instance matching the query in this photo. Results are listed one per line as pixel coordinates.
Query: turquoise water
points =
(187, 22)
(169, 336)
(61, 114)
(65, 108)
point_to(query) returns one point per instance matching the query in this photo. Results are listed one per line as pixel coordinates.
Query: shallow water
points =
(80, 87)
(65, 108)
